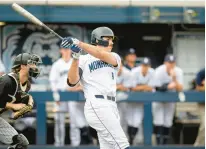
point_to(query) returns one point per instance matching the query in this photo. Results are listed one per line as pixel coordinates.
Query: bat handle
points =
(51, 31)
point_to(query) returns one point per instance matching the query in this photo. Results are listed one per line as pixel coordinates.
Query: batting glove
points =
(68, 42)
(76, 55)
(76, 51)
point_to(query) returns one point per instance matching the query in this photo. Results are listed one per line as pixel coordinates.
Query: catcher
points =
(14, 96)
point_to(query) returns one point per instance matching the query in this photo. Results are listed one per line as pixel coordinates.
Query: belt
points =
(112, 98)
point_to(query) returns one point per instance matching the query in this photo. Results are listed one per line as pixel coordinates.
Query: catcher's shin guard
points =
(19, 142)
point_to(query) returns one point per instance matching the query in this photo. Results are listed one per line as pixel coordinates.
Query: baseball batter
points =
(58, 77)
(168, 77)
(13, 91)
(97, 72)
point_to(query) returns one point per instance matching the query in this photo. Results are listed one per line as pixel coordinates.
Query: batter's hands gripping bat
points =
(32, 18)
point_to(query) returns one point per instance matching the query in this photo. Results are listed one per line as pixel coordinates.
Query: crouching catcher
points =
(14, 96)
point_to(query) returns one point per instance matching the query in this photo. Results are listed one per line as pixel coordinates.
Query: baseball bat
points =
(33, 19)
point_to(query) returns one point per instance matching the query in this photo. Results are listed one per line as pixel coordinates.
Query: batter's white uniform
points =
(99, 86)
(135, 110)
(58, 80)
(163, 113)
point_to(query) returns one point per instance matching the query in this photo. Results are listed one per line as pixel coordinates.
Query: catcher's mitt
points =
(28, 100)
(22, 112)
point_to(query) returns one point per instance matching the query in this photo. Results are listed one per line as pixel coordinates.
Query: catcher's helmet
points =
(98, 33)
(26, 58)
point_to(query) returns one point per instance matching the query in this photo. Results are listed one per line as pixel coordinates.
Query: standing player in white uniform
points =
(97, 72)
(142, 79)
(130, 66)
(123, 85)
(168, 77)
(58, 77)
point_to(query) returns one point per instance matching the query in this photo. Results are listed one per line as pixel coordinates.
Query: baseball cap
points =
(130, 51)
(146, 61)
(169, 58)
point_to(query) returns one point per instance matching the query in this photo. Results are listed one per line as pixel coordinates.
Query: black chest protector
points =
(19, 92)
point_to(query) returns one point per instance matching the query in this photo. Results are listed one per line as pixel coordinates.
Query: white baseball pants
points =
(103, 115)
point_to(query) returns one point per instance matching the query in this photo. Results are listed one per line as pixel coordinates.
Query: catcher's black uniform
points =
(10, 91)
(7, 87)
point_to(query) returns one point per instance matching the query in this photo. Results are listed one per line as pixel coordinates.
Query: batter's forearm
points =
(99, 53)
(95, 51)
(73, 74)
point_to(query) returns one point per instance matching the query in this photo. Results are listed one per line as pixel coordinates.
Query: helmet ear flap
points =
(93, 39)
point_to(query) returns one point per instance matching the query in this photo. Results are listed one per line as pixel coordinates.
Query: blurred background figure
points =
(130, 59)
(123, 85)
(142, 78)
(78, 124)
(2, 68)
(58, 80)
(168, 77)
(200, 86)
(129, 67)
(200, 80)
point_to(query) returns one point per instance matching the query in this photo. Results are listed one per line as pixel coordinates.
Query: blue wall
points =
(92, 14)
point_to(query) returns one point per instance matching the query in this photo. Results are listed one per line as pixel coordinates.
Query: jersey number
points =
(112, 76)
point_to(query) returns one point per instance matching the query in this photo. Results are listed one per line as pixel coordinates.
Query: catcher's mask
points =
(32, 60)
(98, 34)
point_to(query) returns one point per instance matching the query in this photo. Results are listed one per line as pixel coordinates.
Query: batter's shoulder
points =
(114, 53)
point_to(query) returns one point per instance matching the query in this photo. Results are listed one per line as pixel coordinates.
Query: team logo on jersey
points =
(98, 64)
